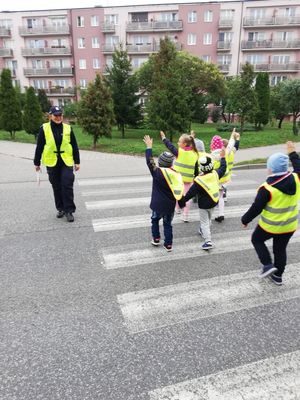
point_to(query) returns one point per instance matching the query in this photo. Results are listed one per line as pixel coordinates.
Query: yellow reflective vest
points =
(185, 164)
(281, 213)
(49, 156)
(210, 183)
(229, 164)
(175, 182)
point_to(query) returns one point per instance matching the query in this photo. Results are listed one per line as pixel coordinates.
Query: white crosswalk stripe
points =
(276, 378)
(169, 305)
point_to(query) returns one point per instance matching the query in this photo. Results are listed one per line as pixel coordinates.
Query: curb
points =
(250, 166)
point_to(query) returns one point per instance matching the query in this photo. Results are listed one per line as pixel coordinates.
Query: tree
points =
(290, 96)
(43, 100)
(278, 109)
(33, 115)
(10, 109)
(95, 110)
(262, 89)
(215, 114)
(242, 96)
(124, 88)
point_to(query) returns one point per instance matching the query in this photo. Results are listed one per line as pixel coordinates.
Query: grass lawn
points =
(133, 144)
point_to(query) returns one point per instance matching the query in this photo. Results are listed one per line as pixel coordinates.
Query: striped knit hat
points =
(165, 160)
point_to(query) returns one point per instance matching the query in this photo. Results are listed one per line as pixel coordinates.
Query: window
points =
(63, 83)
(40, 84)
(284, 36)
(224, 59)
(257, 13)
(290, 12)
(82, 64)
(275, 79)
(256, 36)
(225, 36)
(36, 44)
(59, 21)
(112, 19)
(37, 64)
(96, 63)
(58, 43)
(32, 23)
(109, 62)
(80, 21)
(112, 40)
(81, 43)
(137, 62)
(207, 38)
(255, 59)
(226, 14)
(192, 16)
(281, 59)
(83, 83)
(95, 42)
(94, 20)
(61, 63)
(5, 23)
(168, 17)
(206, 58)
(191, 39)
(208, 16)
(141, 40)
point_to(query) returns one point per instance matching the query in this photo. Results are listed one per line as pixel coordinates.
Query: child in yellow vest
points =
(186, 163)
(167, 187)
(277, 203)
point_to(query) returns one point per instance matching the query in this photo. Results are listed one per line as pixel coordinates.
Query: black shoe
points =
(60, 214)
(220, 218)
(70, 217)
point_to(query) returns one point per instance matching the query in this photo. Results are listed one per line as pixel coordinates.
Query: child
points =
(186, 162)
(277, 203)
(231, 146)
(206, 187)
(167, 187)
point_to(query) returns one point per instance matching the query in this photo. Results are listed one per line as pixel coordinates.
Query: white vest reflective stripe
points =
(210, 183)
(174, 180)
(281, 213)
(185, 164)
(49, 156)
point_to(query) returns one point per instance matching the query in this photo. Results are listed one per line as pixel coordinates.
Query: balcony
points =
(44, 30)
(224, 68)
(271, 67)
(154, 26)
(6, 52)
(223, 46)
(71, 91)
(147, 48)
(32, 72)
(271, 44)
(4, 32)
(271, 22)
(225, 23)
(46, 51)
(110, 48)
(108, 28)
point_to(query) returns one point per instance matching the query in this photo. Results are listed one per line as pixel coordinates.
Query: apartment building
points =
(58, 50)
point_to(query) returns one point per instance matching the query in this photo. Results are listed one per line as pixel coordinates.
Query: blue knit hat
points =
(278, 163)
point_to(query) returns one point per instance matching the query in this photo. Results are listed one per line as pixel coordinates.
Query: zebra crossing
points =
(119, 210)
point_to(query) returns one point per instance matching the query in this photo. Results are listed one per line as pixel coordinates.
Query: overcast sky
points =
(21, 5)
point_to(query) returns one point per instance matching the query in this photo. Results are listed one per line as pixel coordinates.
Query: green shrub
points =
(229, 127)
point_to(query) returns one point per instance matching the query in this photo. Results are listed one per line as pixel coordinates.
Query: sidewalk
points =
(96, 164)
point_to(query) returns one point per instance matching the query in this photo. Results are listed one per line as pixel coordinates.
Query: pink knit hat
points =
(216, 143)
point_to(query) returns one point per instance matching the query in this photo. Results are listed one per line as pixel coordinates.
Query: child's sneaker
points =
(207, 245)
(168, 247)
(276, 279)
(220, 218)
(267, 270)
(185, 218)
(155, 241)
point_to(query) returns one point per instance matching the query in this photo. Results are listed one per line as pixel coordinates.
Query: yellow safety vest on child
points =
(175, 182)
(281, 213)
(185, 164)
(210, 183)
(229, 165)
(49, 156)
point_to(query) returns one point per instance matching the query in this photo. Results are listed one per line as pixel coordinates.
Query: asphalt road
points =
(89, 310)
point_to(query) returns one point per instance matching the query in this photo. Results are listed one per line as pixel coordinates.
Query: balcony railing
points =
(4, 32)
(271, 67)
(107, 27)
(110, 48)
(48, 71)
(44, 30)
(46, 51)
(61, 91)
(6, 53)
(147, 48)
(154, 26)
(225, 23)
(223, 45)
(224, 67)
(271, 21)
(271, 44)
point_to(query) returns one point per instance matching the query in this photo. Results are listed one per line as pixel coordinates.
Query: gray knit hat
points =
(199, 145)
(165, 160)
(205, 164)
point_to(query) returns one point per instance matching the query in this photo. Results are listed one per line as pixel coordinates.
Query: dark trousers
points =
(167, 222)
(61, 178)
(280, 242)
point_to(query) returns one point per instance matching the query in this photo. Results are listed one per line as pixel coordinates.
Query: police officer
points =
(58, 149)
